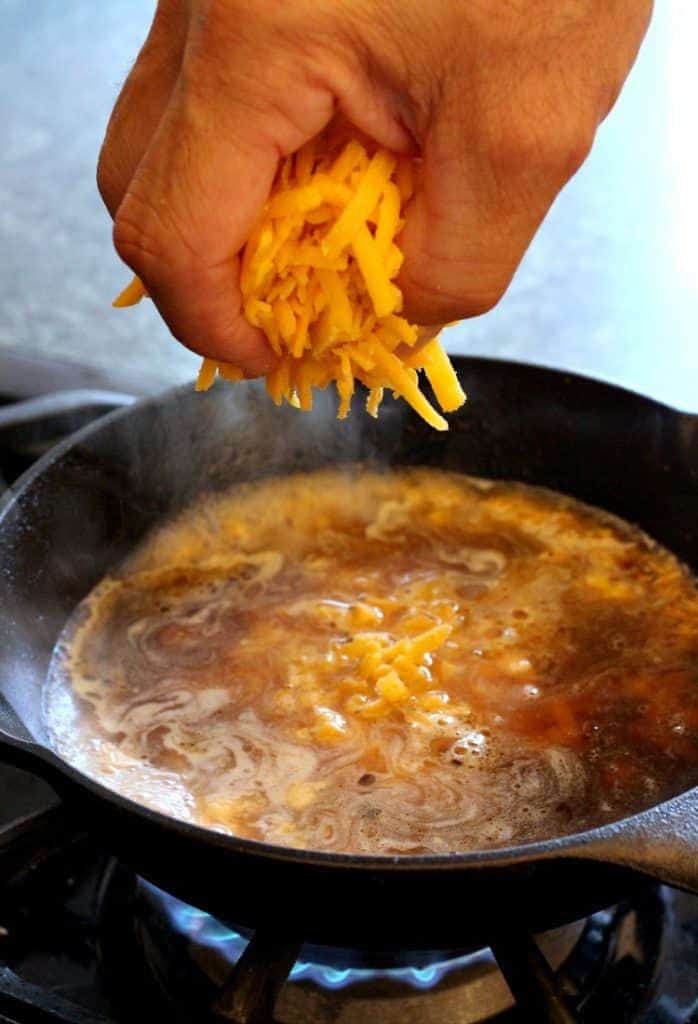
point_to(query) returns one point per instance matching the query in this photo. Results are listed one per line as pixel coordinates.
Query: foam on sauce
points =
(410, 662)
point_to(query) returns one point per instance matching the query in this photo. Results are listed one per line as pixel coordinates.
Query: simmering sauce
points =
(410, 662)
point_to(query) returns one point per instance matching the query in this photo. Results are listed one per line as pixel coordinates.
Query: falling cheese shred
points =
(318, 279)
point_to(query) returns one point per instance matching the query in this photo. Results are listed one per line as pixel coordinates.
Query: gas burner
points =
(195, 967)
(84, 941)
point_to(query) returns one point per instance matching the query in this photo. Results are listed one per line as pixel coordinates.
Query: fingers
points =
(197, 193)
(186, 213)
(142, 101)
(213, 101)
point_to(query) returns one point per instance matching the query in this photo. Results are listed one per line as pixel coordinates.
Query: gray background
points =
(609, 286)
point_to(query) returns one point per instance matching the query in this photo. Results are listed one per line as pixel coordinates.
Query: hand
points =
(500, 98)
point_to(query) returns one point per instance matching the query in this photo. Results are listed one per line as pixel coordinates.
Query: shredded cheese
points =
(318, 278)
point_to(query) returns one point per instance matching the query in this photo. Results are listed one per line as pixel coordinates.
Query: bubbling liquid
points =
(409, 662)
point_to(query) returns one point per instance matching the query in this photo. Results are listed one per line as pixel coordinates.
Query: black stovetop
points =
(83, 940)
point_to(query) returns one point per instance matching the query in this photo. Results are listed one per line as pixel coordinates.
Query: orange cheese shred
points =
(318, 278)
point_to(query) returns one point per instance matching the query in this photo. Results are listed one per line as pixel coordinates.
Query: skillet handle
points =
(18, 748)
(33, 758)
(661, 842)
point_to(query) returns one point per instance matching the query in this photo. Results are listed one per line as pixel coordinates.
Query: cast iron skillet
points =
(84, 506)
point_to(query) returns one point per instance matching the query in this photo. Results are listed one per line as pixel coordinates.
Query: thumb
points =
(478, 204)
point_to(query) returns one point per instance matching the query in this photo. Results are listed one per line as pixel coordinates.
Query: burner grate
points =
(83, 941)
(189, 968)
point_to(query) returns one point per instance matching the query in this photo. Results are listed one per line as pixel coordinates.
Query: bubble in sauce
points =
(402, 663)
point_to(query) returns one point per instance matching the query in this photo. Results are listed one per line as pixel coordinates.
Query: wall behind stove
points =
(609, 286)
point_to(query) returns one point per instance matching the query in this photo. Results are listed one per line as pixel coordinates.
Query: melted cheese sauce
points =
(411, 662)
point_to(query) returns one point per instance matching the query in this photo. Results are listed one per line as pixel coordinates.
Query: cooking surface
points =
(608, 288)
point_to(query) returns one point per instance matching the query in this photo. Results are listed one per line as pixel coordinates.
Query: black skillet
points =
(82, 507)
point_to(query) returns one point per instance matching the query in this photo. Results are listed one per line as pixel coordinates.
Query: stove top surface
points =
(83, 940)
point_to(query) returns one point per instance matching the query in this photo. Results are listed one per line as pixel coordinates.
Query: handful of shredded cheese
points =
(317, 278)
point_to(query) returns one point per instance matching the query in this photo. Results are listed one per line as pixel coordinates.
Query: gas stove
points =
(84, 940)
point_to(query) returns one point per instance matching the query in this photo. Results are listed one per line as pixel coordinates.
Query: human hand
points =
(500, 99)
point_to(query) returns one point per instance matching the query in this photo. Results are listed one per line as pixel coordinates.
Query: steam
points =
(125, 475)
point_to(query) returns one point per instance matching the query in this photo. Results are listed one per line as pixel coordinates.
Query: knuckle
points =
(551, 145)
(103, 178)
(275, 98)
(107, 184)
(482, 302)
(454, 292)
(479, 299)
(570, 147)
(138, 246)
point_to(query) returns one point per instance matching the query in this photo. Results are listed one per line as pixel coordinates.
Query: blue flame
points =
(207, 931)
